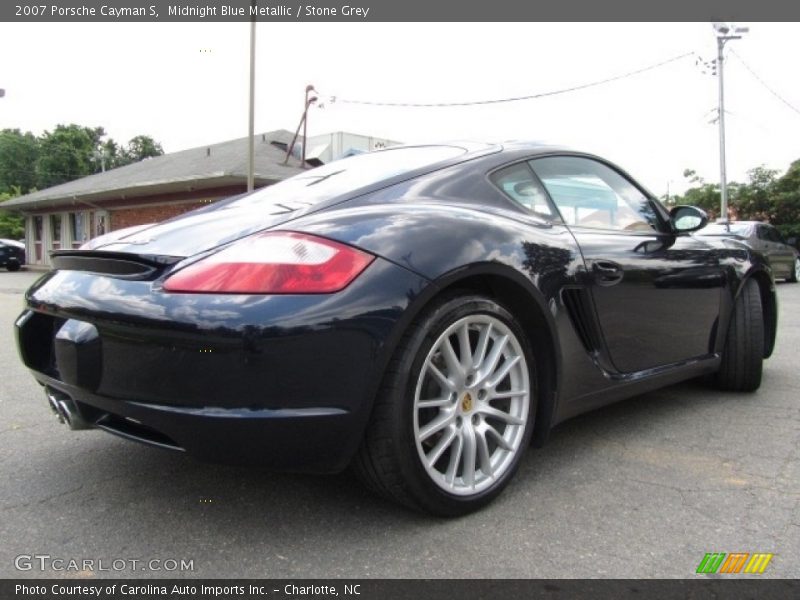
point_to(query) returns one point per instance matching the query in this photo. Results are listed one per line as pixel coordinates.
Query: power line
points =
(762, 82)
(336, 99)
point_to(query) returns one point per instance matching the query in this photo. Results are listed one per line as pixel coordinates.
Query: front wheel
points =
(743, 354)
(455, 413)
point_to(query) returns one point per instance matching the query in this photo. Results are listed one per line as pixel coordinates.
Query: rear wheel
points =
(13, 266)
(794, 276)
(455, 412)
(743, 355)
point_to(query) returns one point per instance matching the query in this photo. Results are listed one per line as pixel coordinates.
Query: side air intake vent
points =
(579, 307)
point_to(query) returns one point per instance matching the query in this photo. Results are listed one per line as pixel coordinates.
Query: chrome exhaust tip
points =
(54, 407)
(66, 410)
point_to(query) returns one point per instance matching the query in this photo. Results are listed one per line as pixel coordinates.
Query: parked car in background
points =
(421, 313)
(783, 258)
(12, 254)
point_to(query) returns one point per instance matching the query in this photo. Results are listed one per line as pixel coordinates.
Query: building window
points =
(77, 228)
(100, 223)
(38, 226)
(38, 229)
(55, 230)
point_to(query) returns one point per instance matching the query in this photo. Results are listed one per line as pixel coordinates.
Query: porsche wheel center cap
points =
(466, 403)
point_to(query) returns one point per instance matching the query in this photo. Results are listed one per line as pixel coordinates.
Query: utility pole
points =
(99, 155)
(725, 33)
(251, 150)
(306, 105)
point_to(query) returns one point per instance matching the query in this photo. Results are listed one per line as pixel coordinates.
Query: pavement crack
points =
(51, 497)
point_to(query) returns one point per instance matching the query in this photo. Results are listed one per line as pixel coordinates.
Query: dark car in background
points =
(12, 254)
(421, 313)
(766, 239)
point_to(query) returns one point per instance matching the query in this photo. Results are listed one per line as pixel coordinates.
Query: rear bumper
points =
(281, 381)
(308, 439)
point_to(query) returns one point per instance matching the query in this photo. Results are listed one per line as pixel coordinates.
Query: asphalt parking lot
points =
(643, 488)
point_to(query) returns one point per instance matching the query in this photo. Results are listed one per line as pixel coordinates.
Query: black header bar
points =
(407, 10)
(700, 588)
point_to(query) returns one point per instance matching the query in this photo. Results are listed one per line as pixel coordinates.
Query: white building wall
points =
(332, 146)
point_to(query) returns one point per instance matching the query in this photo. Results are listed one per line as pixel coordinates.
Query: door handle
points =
(607, 273)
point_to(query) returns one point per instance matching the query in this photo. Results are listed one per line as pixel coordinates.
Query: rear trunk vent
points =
(116, 264)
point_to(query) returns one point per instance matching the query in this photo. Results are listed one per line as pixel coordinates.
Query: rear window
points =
(520, 184)
(348, 174)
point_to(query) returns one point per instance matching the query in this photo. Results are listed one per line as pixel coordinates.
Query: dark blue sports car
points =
(420, 313)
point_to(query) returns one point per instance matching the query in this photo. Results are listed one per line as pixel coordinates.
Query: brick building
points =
(67, 215)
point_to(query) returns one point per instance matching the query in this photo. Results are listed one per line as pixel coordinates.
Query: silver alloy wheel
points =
(471, 404)
(797, 269)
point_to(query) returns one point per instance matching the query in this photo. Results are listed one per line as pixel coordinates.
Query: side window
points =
(590, 194)
(762, 233)
(775, 235)
(520, 184)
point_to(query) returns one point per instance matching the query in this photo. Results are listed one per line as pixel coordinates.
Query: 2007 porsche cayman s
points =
(421, 313)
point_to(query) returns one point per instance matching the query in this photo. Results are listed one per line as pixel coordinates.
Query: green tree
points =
(12, 225)
(141, 147)
(708, 197)
(108, 155)
(789, 181)
(701, 194)
(786, 201)
(67, 153)
(18, 155)
(113, 155)
(755, 201)
(72, 151)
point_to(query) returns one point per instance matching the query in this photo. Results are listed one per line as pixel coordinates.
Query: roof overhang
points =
(96, 198)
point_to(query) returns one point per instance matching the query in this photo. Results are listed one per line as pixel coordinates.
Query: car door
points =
(656, 295)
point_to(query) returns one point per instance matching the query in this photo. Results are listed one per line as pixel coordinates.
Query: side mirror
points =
(686, 219)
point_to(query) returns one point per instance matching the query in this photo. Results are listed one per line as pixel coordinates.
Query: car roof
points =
(745, 223)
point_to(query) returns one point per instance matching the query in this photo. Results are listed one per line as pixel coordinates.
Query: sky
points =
(186, 85)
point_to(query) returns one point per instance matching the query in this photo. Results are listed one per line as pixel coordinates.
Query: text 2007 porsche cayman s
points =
(422, 313)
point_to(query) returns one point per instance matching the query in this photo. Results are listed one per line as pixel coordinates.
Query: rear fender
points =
(522, 263)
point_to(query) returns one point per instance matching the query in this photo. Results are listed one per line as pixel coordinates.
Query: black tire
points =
(743, 355)
(13, 266)
(795, 270)
(390, 459)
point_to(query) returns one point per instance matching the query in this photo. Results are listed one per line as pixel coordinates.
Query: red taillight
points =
(274, 263)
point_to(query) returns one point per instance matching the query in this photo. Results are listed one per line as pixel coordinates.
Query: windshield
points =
(347, 174)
